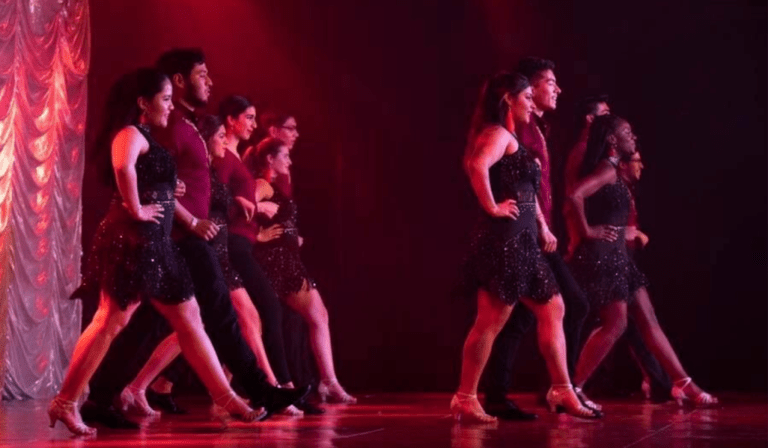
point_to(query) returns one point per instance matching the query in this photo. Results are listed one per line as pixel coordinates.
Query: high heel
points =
(680, 396)
(233, 406)
(134, 400)
(330, 391)
(562, 398)
(645, 386)
(589, 404)
(66, 411)
(465, 408)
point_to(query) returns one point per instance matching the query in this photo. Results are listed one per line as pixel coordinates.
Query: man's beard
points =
(195, 101)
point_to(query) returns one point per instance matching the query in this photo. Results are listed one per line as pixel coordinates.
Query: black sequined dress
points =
(604, 269)
(221, 201)
(135, 260)
(505, 258)
(280, 258)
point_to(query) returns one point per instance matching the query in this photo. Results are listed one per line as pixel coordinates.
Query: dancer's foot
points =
(134, 400)
(562, 398)
(236, 408)
(507, 410)
(685, 390)
(66, 411)
(108, 416)
(164, 402)
(465, 408)
(330, 391)
(584, 399)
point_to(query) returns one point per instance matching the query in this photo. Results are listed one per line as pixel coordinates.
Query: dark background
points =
(383, 92)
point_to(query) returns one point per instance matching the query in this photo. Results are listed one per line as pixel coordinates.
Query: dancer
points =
(212, 131)
(282, 263)
(505, 265)
(533, 136)
(133, 257)
(615, 285)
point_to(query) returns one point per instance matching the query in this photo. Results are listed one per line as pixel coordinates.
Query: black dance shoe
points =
(507, 410)
(276, 399)
(309, 408)
(108, 416)
(164, 402)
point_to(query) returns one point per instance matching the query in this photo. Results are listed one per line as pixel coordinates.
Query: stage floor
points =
(418, 420)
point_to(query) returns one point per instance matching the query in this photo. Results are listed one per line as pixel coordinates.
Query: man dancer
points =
(540, 73)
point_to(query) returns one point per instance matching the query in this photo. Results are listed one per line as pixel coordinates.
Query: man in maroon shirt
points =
(533, 136)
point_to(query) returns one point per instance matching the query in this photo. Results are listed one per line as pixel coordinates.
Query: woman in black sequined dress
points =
(282, 263)
(506, 264)
(133, 258)
(609, 276)
(212, 131)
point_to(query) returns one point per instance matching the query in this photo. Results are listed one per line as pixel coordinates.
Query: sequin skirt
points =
(605, 271)
(132, 261)
(281, 262)
(219, 245)
(505, 259)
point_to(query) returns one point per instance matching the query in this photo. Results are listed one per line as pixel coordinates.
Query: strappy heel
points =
(233, 406)
(562, 398)
(681, 396)
(133, 400)
(66, 411)
(589, 404)
(330, 391)
(466, 409)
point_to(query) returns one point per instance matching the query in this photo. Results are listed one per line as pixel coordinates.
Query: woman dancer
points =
(133, 257)
(506, 264)
(610, 277)
(282, 263)
(133, 397)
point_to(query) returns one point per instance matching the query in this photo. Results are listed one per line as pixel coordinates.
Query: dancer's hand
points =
(147, 213)
(548, 240)
(506, 209)
(268, 208)
(249, 208)
(270, 233)
(181, 189)
(604, 232)
(205, 229)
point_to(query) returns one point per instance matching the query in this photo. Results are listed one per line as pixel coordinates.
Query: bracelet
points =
(193, 223)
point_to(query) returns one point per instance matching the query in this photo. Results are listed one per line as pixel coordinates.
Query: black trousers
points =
(267, 303)
(499, 369)
(219, 319)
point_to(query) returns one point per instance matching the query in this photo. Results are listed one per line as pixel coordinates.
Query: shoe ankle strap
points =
(682, 382)
(463, 396)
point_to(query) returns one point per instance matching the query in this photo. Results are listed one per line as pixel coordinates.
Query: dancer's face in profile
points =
(522, 105)
(242, 126)
(633, 168)
(159, 107)
(287, 133)
(546, 91)
(217, 143)
(199, 85)
(281, 162)
(625, 139)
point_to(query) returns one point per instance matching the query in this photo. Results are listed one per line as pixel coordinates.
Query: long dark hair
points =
(491, 108)
(207, 125)
(122, 109)
(256, 159)
(597, 143)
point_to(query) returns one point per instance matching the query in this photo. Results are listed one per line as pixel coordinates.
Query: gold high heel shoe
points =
(562, 398)
(465, 408)
(330, 391)
(67, 412)
(680, 396)
(229, 403)
(134, 400)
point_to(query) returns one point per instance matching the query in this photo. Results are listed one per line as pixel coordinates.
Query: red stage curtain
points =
(44, 59)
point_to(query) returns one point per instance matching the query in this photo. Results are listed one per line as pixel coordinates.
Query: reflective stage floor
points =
(418, 420)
